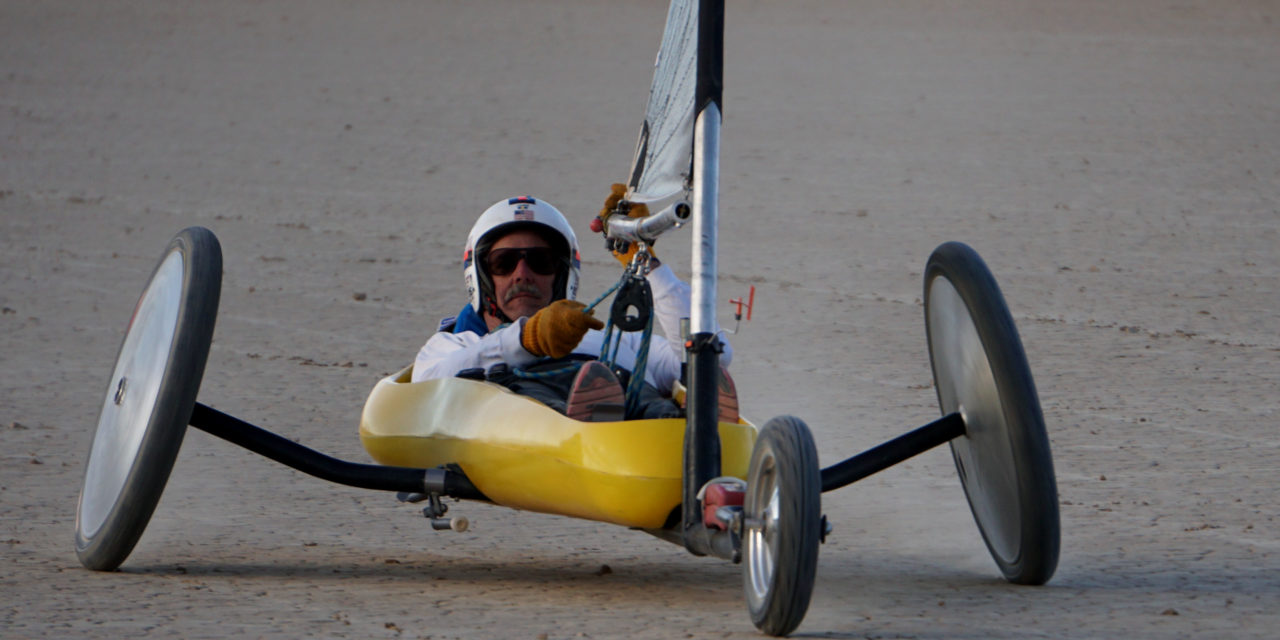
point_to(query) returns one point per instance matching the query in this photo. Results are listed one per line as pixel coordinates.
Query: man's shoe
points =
(728, 398)
(596, 395)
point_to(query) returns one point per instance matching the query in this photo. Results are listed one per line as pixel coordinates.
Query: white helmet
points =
(510, 215)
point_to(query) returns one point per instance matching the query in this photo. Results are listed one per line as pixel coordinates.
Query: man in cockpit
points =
(521, 266)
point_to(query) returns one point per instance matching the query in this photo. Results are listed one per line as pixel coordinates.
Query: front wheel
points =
(782, 525)
(981, 372)
(149, 399)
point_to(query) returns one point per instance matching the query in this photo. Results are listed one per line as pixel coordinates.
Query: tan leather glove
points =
(557, 328)
(616, 192)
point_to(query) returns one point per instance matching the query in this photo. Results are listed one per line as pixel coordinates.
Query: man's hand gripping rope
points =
(557, 328)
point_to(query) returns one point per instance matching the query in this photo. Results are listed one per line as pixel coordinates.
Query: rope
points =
(636, 383)
(608, 292)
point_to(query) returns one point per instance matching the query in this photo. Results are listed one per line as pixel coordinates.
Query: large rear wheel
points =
(782, 525)
(981, 372)
(149, 399)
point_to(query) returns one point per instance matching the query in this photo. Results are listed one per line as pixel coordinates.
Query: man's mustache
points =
(520, 288)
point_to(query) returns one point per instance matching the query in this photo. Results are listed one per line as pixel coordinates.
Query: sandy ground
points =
(1117, 166)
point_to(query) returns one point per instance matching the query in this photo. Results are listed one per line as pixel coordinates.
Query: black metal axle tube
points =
(892, 452)
(311, 462)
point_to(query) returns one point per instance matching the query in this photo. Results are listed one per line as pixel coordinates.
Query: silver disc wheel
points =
(149, 399)
(981, 372)
(782, 525)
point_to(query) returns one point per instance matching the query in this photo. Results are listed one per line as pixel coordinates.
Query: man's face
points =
(523, 291)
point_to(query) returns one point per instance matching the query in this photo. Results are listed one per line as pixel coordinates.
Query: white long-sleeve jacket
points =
(445, 354)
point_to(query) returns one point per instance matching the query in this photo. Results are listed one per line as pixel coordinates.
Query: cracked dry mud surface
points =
(1116, 166)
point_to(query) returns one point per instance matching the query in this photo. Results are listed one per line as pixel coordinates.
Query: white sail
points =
(660, 172)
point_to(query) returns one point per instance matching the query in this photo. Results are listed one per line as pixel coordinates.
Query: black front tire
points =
(981, 372)
(783, 525)
(149, 400)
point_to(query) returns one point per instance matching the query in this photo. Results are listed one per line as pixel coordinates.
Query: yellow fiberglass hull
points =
(525, 455)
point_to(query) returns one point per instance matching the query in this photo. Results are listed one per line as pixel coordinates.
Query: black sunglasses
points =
(541, 260)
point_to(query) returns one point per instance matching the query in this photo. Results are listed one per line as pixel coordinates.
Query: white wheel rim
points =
(131, 396)
(958, 356)
(762, 535)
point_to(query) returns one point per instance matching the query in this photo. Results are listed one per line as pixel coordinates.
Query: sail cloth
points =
(661, 171)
